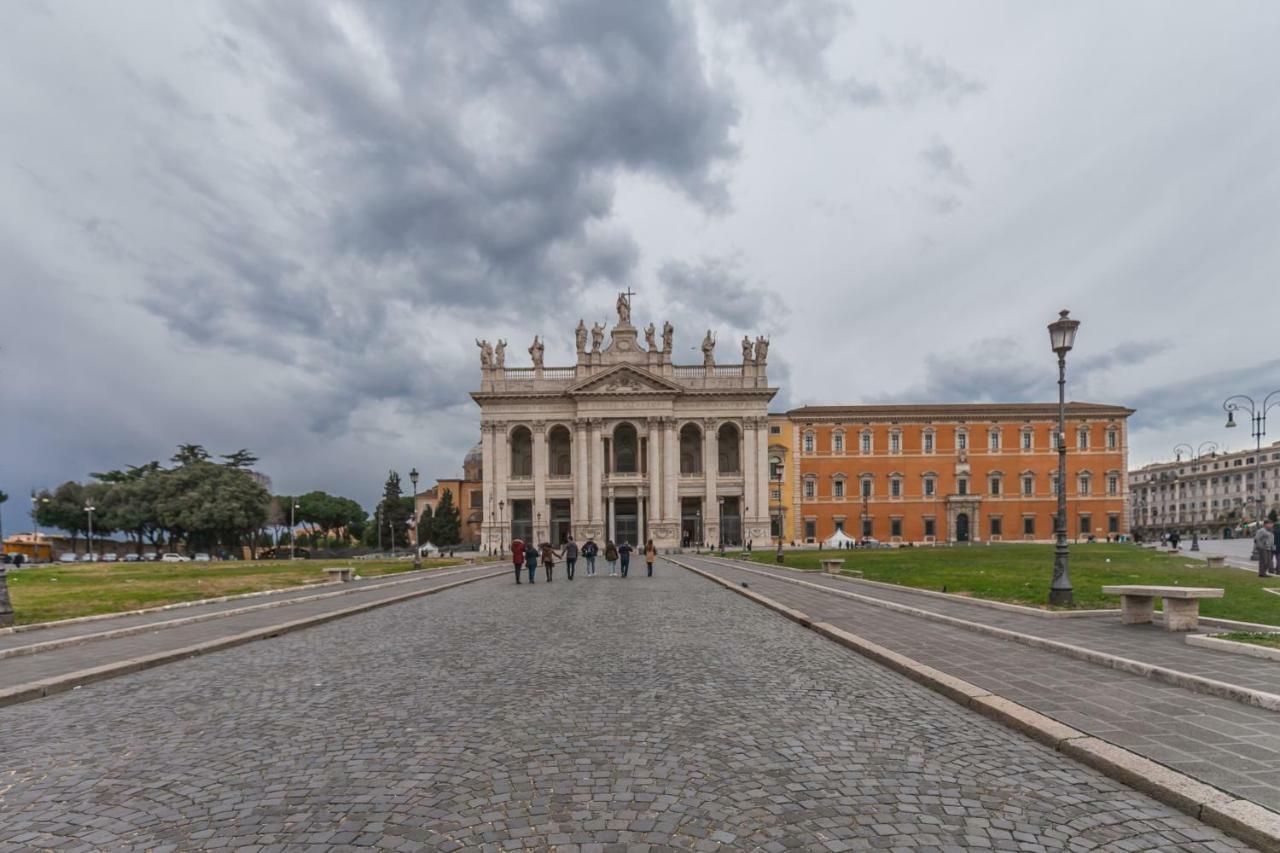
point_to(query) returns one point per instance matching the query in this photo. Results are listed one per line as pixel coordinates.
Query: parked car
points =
(174, 558)
(110, 558)
(67, 557)
(6, 559)
(132, 558)
(150, 556)
(201, 558)
(89, 557)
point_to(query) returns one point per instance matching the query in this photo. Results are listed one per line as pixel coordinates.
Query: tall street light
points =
(89, 508)
(293, 526)
(502, 532)
(1258, 417)
(35, 523)
(417, 556)
(1062, 337)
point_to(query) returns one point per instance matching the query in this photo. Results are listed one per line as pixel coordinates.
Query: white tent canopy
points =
(839, 539)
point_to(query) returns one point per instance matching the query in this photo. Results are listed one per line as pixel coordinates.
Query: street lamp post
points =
(377, 523)
(293, 527)
(35, 526)
(1258, 418)
(720, 518)
(863, 532)
(391, 531)
(1062, 337)
(502, 533)
(89, 508)
(417, 549)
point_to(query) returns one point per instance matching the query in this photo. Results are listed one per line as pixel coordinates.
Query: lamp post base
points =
(1061, 597)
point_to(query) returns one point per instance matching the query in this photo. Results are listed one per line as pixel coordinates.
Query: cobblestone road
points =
(598, 715)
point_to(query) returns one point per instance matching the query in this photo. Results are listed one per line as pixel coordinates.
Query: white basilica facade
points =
(625, 444)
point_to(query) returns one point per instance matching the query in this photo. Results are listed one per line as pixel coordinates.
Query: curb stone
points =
(62, 683)
(1236, 648)
(1243, 819)
(1194, 683)
(66, 642)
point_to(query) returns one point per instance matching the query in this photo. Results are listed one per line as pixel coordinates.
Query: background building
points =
(468, 497)
(1212, 494)
(954, 473)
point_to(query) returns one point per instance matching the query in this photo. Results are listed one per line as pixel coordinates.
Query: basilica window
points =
(559, 452)
(729, 446)
(690, 449)
(626, 450)
(521, 453)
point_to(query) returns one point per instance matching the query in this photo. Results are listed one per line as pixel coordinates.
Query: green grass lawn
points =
(1253, 638)
(1021, 573)
(54, 592)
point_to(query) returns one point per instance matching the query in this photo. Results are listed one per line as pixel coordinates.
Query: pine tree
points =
(446, 525)
(395, 513)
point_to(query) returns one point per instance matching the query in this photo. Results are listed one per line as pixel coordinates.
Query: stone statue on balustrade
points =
(580, 336)
(597, 336)
(668, 334)
(535, 352)
(762, 349)
(649, 332)
(500, 354)
(747, 350)
(624, 309)
(709, 349)
(486, 354)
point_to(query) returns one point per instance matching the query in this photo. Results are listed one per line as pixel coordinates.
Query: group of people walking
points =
(525, 557)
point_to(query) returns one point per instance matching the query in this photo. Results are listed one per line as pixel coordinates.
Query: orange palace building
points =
(946, 472)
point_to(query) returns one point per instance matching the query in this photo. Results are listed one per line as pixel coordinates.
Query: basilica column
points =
(540, 480)
(710, 472)
(581, 478)
(748, 507)
(654, 467)
(670, 472)
(491, 536)
(501, 475)
(762, 468)
(595, 442)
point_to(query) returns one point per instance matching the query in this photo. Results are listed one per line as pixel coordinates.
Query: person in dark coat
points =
(517, 556)
(611, 556)
(531, 561)
(624, 556)
(570, 557)
(549, 555)
(589, 551)
(650, 554)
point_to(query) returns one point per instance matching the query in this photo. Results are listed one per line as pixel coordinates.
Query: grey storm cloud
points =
(787, 37)
(718, 290)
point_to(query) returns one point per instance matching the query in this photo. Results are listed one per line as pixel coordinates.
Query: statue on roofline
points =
(649, 332)
(500, 354)
(668, 334)
(762, 349)
(747, 349)
(709, 349)
(486, 353)
(535, 352)
(597, 336)
(580, 337)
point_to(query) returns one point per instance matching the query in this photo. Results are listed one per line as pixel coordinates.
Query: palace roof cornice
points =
(932, 412)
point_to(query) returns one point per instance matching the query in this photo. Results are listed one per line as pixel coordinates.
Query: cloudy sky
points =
(281, 225)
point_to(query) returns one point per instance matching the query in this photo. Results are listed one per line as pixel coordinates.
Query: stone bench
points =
(345, 574)
(1181, 604)
(1216, 562)
(832, 567)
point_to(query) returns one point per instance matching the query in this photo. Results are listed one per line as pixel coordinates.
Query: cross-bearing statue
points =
(649, 332)
(597, 336)
(624, 310)
(486, 353)
(709, 349)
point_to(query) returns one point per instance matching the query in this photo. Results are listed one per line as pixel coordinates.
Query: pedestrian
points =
(1264, 542)
(517, 556)
(531, 561)
(549, 555)
(1173, 540)
(570, 557)
(748, 546)
(589, 551)
(650, 554)
(611, 556)
(624, 556)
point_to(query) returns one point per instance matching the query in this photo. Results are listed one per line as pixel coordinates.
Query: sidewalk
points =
(58, 667)
(1233, 746)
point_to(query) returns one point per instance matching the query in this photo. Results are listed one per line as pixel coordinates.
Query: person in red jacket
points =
(517, 556)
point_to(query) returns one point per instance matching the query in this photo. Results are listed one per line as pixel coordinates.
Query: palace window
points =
(775, 468)
(962, 440)
(1028, 485)
(997, 525)
(895, 527)
(1054, 437)
(930, 526)
(808, 442)
(865, 439)
(1028, 439)
(837, 442)
(962, 486)
(1113, 523)
(837, 488)
(994, 486)
(1028, 525)
(1086, 524)
(1084, 484)
(1113, 441)
(810, 488)
(775, 494)
(1053, 484)
(867, 527)
(930, 486)
(1113, 484)
(1082, 438)
(895, 441)
(928, 441)
(895, 487)
(774, 429)
(866, 487)
(993, 439)
(810, 529)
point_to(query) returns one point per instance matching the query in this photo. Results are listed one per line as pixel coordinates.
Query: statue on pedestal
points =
(624, 308)
(668, 333)
(747, 348)
(597, 336)
(762, 349)
(580, 336)
(709, 349)
(535, 352)
(500, 354)
(486, 354)
(649, 332)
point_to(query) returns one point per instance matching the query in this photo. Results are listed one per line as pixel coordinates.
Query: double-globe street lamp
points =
(1062, 337)
(1258, 421)
(293, 527)
(1193, 455)
(89, 508)
(413, 519)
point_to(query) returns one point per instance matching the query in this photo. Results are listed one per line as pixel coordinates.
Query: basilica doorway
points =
(690, 521)
(561, 521)
(626, 521)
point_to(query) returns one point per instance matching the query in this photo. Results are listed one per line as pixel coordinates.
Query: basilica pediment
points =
(624, 379)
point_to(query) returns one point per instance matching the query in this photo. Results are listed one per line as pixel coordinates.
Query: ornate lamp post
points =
(413, 519)
(89, 508)
(293, 527)
(720, 517)
(502, 532)
(1258, 418)
(1062, 337)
